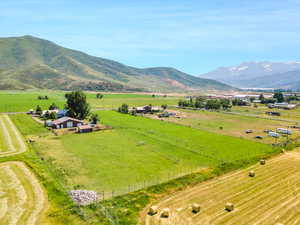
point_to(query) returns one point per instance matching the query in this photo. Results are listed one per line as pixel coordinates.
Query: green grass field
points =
(17, 101)
(136, 150)
(262, 109)
(233, 125)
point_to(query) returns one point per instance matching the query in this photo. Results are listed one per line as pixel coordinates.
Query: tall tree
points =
(279, 96)
(77, 105)
(38, 110)
(123, 109)
(53, 106)
(94, 118)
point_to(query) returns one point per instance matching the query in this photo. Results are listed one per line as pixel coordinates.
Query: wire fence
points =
(104, 195)
(161, 178)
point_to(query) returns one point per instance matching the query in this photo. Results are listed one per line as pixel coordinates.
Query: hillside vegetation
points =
(29, 62)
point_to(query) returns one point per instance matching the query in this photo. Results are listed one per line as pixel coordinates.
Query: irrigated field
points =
(23, 101)
(11, 140)
(139, 150)
(271, 197)
(22, 200)
(233, 125)
(261, 110)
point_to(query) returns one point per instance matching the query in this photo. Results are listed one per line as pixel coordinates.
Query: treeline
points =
(278, 97)
(203, 103)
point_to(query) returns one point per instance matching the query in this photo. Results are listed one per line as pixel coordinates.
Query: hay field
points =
(233, 125)
(22, 199)
(11, 141)
(17, 101)
(271, 197)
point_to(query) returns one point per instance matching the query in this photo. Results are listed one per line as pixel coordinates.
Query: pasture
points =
(139, 150)
(17, 101)
(231, 124)
(271, 197)
(293, 115)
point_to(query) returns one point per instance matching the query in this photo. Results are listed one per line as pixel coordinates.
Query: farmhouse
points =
(66, 122)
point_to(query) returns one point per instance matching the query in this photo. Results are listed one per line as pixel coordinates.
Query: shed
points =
(85, 128)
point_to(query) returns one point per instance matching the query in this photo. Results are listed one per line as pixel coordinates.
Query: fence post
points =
(103, 195)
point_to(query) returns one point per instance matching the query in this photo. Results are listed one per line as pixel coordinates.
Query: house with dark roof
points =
(66, 122)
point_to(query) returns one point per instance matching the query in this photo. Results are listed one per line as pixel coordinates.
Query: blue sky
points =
(192, 35)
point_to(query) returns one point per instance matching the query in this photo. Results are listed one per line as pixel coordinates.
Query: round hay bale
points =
(196, 208)
(251, 173)
(229, 207)
(165, 213)
(262, 162)
(153, 210)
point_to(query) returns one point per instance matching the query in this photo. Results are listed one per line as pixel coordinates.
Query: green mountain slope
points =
(29, 62)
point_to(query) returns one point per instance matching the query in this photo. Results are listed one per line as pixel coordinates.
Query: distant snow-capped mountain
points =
(259, 74)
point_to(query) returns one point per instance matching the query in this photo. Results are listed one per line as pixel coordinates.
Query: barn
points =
(66, 122)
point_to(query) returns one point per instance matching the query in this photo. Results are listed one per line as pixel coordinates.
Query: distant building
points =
(147, 109)
(257, 101)
(49, 111)
(66, 122)
(283, 105)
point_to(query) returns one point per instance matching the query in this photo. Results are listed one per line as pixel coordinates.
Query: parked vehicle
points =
(274, 134)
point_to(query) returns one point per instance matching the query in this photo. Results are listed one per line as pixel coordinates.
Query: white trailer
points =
(284, 131)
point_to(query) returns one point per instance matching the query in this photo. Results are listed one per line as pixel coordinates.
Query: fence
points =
(161, 178)
(103, 195)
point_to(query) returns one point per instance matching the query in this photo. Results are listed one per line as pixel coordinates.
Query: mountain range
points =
(28, 62)
(259, 75)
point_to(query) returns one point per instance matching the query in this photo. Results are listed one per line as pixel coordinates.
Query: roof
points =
(83, 127)
(63, 111)
(64, 119)
(50, 111)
